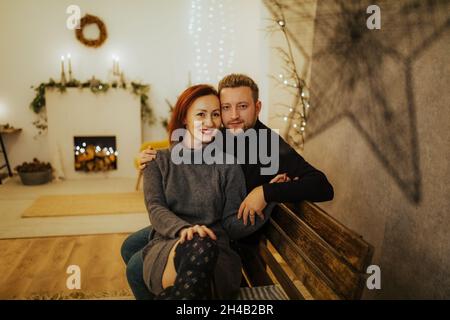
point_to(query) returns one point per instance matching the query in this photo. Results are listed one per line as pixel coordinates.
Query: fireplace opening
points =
(95, 154)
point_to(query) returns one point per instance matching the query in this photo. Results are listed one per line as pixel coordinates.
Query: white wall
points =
(150, 36)
(80, 113)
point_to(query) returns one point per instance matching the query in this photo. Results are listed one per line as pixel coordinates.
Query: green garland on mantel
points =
(96, 86)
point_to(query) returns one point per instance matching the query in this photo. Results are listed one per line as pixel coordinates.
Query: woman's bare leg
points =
(170, 273)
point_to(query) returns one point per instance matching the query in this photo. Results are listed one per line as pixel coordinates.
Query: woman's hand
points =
(146, 156)
(253, 204)
(203, 231)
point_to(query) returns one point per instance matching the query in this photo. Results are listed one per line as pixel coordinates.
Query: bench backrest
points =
(329, 259)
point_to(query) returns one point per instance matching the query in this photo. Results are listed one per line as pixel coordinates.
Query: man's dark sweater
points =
(312, 184)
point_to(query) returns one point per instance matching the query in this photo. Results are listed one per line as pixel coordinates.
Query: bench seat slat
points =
(319, 286)
(286, 283)
(348, 243)
(253, 266)
(344, 277)
(327, 258)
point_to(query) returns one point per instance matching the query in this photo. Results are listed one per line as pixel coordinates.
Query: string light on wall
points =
(211, 28)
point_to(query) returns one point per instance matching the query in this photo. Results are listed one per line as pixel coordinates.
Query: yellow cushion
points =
(162, 144)
(157, 145)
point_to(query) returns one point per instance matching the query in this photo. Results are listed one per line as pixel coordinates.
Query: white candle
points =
(114, 65)
(69, 62)
(117, 66)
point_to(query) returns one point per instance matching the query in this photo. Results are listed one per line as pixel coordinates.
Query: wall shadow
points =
(368, 76)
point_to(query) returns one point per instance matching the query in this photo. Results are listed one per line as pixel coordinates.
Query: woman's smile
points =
(208, 131)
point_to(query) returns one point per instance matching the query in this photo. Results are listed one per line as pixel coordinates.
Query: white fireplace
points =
(81, 113)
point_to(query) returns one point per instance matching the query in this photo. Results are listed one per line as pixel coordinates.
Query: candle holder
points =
(69, 61)
(63, 75)
(63, 78)
(115, 70)
(123, 83)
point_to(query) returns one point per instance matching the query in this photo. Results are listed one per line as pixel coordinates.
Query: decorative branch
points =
(292, 82)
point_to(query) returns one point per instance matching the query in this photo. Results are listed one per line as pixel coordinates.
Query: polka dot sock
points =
(194, 262)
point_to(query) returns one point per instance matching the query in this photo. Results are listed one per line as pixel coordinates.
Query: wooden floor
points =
(37, 266)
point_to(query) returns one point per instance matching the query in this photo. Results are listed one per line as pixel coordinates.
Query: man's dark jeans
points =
(132, 255)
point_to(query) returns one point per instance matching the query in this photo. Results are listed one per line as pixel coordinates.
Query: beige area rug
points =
(86, 204)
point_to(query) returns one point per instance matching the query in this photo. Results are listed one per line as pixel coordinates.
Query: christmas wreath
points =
(87, 20)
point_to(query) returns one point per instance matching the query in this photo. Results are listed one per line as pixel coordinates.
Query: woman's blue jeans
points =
(132, 255)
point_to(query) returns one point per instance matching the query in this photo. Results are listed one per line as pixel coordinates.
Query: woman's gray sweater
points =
(183, 195)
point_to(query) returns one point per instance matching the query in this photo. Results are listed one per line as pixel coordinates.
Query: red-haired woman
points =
(192, 208)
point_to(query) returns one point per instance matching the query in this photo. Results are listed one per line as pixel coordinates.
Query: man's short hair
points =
(236, 80)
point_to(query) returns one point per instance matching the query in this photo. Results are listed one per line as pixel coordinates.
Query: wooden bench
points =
(328, 260)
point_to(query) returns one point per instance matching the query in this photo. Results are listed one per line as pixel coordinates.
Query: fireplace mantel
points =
(79, 112)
